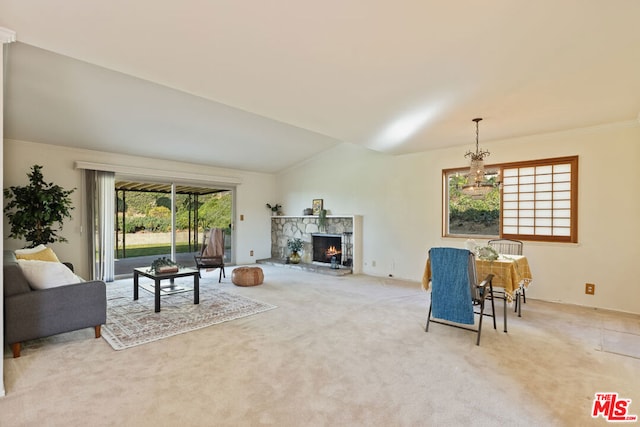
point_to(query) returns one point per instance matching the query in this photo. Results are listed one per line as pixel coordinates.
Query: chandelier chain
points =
(479, 155)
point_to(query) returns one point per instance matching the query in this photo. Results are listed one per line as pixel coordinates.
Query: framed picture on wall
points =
(317, 206)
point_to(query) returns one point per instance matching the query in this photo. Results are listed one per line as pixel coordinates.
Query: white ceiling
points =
(263, 85)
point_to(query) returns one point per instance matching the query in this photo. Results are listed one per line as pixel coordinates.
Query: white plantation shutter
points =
(539, 200)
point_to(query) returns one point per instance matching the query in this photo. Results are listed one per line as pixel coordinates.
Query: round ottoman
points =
(247, 276)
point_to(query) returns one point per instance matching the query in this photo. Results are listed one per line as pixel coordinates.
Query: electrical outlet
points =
(373, 263)
(251, 252)
(589, 288)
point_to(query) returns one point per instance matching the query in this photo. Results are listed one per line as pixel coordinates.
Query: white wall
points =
(400, 199)
(253, 233)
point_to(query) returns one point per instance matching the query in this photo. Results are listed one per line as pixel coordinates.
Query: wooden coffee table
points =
(183, 272)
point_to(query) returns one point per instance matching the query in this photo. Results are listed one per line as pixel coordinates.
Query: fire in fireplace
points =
(326, 246)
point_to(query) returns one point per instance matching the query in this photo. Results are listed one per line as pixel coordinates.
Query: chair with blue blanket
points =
(455, 291)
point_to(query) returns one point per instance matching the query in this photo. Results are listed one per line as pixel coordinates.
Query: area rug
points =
(131, 323)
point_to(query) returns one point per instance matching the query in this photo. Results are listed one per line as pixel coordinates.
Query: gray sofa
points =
(30, 314)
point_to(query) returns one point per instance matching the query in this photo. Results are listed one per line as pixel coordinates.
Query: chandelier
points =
(477, 184)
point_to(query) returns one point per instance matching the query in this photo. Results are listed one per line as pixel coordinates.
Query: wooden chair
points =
(212, 253)
(455, 291)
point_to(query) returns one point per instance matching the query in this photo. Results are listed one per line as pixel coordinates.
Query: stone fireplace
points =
(341, 237)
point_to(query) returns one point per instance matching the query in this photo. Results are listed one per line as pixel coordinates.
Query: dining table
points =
(510, 273)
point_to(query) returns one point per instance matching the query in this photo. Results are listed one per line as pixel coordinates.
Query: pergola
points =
(193, 192)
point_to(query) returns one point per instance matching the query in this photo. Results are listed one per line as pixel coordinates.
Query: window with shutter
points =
(538, 201)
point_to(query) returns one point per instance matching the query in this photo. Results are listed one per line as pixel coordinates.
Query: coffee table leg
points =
(135, 285)
(196, 289)
(157, 295)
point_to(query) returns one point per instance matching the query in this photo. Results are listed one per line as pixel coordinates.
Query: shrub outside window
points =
(468, 216)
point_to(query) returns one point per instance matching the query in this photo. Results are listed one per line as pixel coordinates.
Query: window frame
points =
(500, 167)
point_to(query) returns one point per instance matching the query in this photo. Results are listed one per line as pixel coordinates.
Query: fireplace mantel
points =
(288, 227)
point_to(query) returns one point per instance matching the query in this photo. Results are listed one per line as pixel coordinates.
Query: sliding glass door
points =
(158, 219)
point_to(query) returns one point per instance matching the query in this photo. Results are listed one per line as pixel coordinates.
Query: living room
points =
(399, 197)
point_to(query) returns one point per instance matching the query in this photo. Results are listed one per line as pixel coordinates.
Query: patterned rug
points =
(131, 323)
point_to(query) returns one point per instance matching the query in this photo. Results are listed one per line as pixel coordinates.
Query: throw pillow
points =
(46, 254)
(47, 274)
(30, 250)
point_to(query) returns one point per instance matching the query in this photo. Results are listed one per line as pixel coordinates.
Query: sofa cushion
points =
(15, 281)
(46, 274)
(45, 254)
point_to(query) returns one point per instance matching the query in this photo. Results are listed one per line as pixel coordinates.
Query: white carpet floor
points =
(337, 351)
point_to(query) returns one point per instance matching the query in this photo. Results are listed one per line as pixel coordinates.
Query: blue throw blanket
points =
(450, 288)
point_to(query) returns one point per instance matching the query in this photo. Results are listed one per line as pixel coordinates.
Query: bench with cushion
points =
(35, 310)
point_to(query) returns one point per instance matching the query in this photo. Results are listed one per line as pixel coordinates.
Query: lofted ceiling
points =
(262, 86)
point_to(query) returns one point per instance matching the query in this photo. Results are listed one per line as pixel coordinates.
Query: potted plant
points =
(34, 210)
(275, 209)
(487, 253)
(295, 246)
(163, 265)
(322, 220)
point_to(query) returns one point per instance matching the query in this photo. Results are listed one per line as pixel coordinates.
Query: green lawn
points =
(144, 250)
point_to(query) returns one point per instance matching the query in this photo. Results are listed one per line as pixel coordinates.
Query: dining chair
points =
(212, 253)
(507, 246)
(455, 292)
(511, 247)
